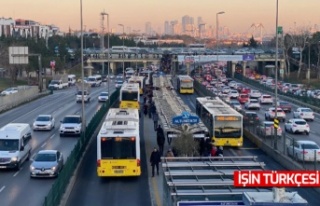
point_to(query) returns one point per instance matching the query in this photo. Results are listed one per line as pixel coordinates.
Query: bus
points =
(185, 84)
(223, 122)
(118, 144)
(130, 96)
(139, 80)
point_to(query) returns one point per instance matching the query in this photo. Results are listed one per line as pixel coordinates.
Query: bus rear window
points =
(118, 148)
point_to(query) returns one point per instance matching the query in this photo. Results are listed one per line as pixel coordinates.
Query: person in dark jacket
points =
(155, 118)
(160, 141)
(155, 159)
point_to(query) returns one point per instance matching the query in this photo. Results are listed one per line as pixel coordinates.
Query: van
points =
(15, 145)
(72, 79)
(95, 80)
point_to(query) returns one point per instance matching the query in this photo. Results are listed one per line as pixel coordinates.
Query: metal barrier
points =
(55, 194)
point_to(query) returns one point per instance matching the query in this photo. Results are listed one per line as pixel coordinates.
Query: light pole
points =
(122, 50)
(82, 73)
(308, 72)
(102, 37)
(136, 31)
(217, 28)
(108, 59)
(276, 78)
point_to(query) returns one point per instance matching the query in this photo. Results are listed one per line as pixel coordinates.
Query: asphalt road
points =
(90, 189)
(249, 149)
(16, 187)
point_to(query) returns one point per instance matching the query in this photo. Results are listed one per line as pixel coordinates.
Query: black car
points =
(250, 118)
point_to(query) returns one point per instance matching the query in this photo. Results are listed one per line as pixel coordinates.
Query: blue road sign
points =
(209, 203)
(248, 57)
(185, 118)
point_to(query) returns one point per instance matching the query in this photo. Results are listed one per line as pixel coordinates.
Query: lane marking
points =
(44, 144)
(15, 174)
(2, 188)
(155, 189)
(249, 148)
(52, 136)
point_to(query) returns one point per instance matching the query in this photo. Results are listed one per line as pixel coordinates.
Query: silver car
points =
(47, 163)
(44, 122)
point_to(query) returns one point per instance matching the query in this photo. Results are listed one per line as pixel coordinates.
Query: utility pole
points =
(102, 38)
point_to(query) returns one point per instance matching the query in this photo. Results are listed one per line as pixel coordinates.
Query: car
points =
(297, 126)
(103, 97)
(233, 94)
(47, 163)
(71, 125)
(266, 129)
(245, 90)
(266, 99)
(304, 150)
(250, 118)
(86, 96)
(243, 98)
(252, 104)
(271, 113)
(9, 91)
(255, 94)
(285, 106)
(232, 84)
(119, 83)
(235, 104)
(304, 113)
(44, 122)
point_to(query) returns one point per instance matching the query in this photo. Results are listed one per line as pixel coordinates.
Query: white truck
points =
(86, 92)
(59, 82)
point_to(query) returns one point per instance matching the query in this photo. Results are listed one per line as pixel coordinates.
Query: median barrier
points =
(58, 188)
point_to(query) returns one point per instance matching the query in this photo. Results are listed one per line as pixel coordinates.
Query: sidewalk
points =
(156, 182)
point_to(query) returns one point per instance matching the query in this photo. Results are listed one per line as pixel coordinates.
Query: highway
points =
(16, 187)
(249, 149)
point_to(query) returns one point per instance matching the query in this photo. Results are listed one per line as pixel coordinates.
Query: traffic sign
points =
(209, 203)
(280, 30)
(185, 118)
(276, 123)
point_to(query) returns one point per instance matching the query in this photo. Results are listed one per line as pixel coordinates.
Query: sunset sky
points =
(239, 14)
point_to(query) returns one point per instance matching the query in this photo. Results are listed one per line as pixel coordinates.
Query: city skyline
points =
(292, 13)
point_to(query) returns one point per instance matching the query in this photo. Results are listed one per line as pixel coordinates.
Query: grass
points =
(6, 83)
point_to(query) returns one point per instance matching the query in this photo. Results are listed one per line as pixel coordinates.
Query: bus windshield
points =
(230, 129)
(186, 85)
(129, 96)
(118, 148)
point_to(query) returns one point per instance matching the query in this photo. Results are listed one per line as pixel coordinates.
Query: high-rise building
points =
(188, 25)
(166, 28)
(148, 29)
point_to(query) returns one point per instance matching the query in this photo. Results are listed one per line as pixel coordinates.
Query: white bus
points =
(223, 122)
(95, 80)
(118, 144)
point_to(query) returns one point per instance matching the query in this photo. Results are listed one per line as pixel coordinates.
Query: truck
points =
(86, 92)
(59, 82)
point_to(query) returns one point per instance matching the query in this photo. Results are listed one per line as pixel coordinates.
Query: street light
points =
(102, 36)
(82, 72)
(309, 44)
(276, 78)
(217, 28)
(122, 50)
(136, 31)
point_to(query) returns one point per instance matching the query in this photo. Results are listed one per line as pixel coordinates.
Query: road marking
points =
(44, 144)
(15, 174)
(156, 191)
(249, 148)
(2, 188)
(52, 136)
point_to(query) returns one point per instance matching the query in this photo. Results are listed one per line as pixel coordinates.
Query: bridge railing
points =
(58, 188)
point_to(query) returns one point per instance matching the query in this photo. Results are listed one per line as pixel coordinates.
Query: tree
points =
(184, 144)
(287, 44)
(252, 42)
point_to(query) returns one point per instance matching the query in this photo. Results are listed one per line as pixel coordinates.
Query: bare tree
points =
(287, 44)
(184, 144)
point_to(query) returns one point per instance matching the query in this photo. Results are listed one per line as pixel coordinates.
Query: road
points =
(16, 187)
(249, 149)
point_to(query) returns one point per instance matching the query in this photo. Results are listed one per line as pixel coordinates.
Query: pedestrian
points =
(160, 141)
(155, 159)
(149, 111)
(145, 109)
(155, 121)
(169, 154)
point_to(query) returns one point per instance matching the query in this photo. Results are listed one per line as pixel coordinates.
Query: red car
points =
(245, 90)
(243, 98)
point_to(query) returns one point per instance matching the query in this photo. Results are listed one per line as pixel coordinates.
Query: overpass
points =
(182, 58)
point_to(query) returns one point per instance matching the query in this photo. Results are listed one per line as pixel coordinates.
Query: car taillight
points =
(304, 152)
(138, 162)
(98, 163)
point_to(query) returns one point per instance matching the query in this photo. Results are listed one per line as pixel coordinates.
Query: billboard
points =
(209, 58)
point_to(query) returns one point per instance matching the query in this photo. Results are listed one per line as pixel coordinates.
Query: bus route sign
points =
(185, 118)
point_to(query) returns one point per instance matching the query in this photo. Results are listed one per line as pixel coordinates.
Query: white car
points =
(266, 129)
(266, 99)
(304, 150)
(255, 94)
(232, 84)
(233, 94)
(71, 125)
(252, 104)
(236, 104)
(297, 126)
(43, 122)
(103, 97)
(9, 91)
(119, 83)
(304, 113)
(271, 113)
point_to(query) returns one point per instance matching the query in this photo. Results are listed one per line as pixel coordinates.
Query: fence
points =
(59, 186)
(305, 101)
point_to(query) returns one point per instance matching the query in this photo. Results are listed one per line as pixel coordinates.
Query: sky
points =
(238, 17)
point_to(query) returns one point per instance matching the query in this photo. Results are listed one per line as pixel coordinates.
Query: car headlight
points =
(32, 167)
(53, 168)
(14, 159)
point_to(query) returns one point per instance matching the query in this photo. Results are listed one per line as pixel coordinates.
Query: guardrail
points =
(304, 101)
(58, 188)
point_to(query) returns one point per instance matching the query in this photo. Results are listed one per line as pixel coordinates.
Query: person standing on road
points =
(155, 159)
(155, 121)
